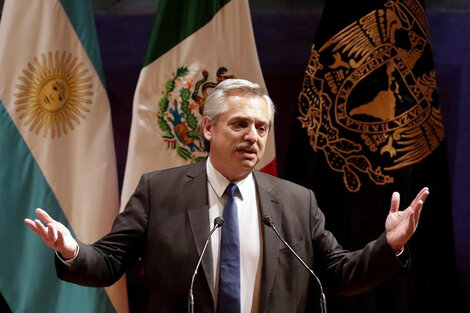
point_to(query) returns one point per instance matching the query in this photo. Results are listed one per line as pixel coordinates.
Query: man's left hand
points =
(401, 225)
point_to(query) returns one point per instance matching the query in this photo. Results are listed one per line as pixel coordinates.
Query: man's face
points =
(238, 139)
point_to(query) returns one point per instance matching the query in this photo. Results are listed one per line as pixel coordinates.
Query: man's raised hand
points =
(54, 234)
(401, 225)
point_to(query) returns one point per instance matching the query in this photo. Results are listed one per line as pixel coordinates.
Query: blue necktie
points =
(229, 266)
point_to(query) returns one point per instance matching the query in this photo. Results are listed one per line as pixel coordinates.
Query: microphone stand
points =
(268, 221)
(218, 222)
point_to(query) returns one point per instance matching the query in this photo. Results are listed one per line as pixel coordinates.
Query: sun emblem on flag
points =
(53, 94)
(180, 111)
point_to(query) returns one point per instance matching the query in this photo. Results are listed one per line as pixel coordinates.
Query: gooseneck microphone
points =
(268, 221)
(218, 222)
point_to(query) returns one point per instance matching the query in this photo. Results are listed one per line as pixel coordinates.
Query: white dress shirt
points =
(249, 230)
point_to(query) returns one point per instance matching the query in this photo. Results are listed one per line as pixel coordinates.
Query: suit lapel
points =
(198, 213)
(269, 205)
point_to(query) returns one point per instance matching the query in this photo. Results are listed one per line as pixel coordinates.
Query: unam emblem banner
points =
(369, 100)
(369, 123)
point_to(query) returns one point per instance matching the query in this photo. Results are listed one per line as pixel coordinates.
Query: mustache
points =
(247, 145)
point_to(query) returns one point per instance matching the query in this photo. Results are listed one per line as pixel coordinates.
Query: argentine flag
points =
(56, 151)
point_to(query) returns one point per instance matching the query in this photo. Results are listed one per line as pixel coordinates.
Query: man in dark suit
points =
(170, 214)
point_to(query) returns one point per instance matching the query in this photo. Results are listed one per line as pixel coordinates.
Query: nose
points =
(251, 134)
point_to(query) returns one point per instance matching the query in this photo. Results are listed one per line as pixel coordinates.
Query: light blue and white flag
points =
(56, 151)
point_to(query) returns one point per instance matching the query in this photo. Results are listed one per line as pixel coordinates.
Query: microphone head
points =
(267, 220)
(218, 221)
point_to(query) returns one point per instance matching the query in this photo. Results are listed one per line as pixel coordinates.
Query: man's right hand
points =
(55, 235)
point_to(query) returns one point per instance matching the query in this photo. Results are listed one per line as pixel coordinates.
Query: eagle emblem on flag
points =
(180, 111)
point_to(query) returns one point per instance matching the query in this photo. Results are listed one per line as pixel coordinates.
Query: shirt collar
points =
(219, 182)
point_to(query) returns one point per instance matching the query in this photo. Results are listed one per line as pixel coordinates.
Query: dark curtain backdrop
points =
(354, 167)
(284, 39)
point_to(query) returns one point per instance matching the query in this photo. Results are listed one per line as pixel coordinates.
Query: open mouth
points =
(249, 153)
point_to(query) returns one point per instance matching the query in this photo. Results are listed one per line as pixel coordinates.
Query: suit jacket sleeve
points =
(105, 261)
(353, 272)
(286, 284)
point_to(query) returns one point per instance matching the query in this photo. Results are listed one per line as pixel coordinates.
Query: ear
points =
(207, 125)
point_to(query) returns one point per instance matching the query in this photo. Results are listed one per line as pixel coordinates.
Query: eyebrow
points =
(247, 117)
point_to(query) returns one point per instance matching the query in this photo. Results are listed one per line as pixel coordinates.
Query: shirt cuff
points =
(68, 262)
(404, 257)
(400, 252)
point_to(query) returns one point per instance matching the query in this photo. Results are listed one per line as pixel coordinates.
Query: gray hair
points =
(216, 102)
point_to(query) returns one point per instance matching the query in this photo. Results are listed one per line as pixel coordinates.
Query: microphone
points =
(218, 222)
(268, 221)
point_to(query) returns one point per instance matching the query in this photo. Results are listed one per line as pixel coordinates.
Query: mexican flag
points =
(56, 151)
(194, 45)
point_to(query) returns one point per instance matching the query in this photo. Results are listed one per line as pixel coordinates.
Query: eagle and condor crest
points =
(369, 100)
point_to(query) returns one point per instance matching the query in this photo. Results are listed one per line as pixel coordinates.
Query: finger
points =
(41, 230)
(32, 225)
(422, 195)
(417, 213)
(60, 240)
(395, 203)
(40, 227)
(52, 235)
(44, 216)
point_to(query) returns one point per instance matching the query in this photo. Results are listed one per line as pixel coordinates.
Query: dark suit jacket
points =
(166, 223)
